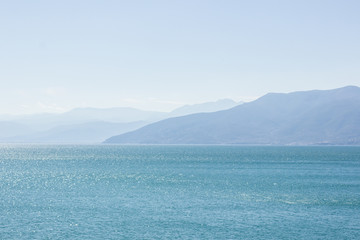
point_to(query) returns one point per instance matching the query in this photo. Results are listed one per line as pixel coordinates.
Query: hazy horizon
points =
(160, 55)
(149, 109)
(111, 124)
(118, 107)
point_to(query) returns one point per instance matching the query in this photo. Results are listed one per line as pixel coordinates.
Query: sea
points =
(179, 192)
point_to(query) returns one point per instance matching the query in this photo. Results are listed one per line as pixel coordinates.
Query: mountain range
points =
(317, 117)
(221, 104)
(89, 125)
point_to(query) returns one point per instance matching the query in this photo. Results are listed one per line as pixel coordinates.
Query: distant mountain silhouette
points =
(45, 121)
(88, 125)
(298, 118)
(204, 107)
(9, 128)
(91, 132)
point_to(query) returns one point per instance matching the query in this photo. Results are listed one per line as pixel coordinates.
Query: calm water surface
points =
(179, 192)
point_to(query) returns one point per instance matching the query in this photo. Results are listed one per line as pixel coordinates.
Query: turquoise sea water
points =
(179, 192)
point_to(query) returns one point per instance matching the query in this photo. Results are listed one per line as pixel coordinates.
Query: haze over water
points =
(179, 192)
(85, 72)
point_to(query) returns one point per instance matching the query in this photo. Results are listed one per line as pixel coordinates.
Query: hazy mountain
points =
(46, 121)
(299, 118)
(88, 125)
(204, 107)
(80, 125)
(92, 132)
(9, 128)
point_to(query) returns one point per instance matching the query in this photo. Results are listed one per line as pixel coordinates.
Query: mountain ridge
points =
(297, 118)
(86, 125)
(218, 105)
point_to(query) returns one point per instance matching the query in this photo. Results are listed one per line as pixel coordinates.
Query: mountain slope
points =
(300, 118)
(91, 132)
(204, 107)
(9, 129)
(88, 125)
(80, 125)
(46, 121)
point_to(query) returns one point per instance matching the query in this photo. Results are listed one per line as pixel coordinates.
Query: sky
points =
(159, 55)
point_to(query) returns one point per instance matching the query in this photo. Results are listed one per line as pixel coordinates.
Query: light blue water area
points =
(179, 192)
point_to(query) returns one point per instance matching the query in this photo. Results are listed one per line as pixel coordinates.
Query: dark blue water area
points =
(179, 192)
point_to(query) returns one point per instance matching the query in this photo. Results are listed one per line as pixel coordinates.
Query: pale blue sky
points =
(57, 55)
